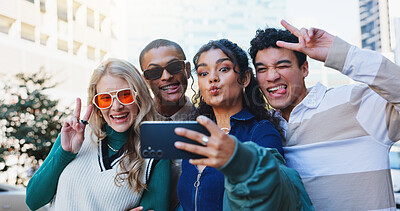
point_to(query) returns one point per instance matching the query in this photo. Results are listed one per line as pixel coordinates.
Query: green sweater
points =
(256, 178)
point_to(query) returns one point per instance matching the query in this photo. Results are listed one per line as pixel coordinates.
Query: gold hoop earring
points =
(99, 113)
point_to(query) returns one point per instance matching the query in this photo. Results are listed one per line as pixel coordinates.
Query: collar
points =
(180, 114)
(243, 115)
(314, 96)
(113, 135)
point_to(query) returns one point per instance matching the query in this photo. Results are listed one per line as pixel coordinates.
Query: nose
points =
(116, 105)
(273, 75)
(213, 77)
(166, 75)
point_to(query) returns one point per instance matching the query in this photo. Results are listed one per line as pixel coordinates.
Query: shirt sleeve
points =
(382, 76)
(43, 185)
(265, 135)
(256, 178)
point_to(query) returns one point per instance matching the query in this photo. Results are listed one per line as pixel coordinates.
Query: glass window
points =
(394, 158)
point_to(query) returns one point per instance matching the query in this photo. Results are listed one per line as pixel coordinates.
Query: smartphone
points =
(157, 139)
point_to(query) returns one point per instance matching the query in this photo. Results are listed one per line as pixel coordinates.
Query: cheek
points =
(134, 110)
(154, 84)
(202, 84)
(260, 78)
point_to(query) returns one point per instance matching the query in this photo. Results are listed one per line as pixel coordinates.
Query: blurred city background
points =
(48, 49)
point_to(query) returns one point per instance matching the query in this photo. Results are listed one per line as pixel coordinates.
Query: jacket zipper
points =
(196, 185)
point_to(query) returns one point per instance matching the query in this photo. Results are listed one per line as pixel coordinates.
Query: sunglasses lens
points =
(153, 73)
(103, 100)
(175, 67)
(125, 96)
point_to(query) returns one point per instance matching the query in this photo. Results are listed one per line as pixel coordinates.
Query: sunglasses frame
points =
(164, 68)
(115, 96)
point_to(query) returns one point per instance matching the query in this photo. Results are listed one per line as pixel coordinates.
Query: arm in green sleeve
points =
(157, 195)
(256, 178)
(43, 185)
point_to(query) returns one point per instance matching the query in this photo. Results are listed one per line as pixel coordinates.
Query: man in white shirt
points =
(337, 139)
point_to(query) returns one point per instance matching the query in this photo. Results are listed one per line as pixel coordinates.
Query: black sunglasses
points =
(174, 67)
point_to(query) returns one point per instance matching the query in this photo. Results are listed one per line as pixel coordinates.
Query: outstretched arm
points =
(313, 42)
(256, 177)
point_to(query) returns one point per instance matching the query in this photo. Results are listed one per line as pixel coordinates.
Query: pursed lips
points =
(214, 89)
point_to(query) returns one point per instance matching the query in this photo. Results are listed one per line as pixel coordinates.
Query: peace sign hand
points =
(218, 147)
(313, 42)
(72, 131)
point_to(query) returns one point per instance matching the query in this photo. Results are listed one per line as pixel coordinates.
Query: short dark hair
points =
(268, 37)
(159, 43)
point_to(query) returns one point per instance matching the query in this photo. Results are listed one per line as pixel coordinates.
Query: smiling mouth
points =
(169, 87)
(117, 117)
(278, 89)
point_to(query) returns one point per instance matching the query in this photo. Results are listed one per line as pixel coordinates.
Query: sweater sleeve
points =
(157, 195)
(256, 178)
(43, 185)
(381, 75)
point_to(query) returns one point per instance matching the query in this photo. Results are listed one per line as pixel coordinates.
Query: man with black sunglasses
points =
(167, 73)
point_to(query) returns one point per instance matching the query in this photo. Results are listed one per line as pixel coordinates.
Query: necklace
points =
(112, 148)
(226, 130)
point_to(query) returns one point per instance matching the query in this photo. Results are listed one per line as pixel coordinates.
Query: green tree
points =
(30, 122)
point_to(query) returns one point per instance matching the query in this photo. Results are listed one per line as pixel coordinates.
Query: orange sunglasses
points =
(104, 100)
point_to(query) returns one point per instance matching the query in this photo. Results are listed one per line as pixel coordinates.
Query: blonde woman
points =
(99, 167)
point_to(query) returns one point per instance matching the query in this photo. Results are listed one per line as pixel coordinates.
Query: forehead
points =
(211, 56)
(161, 56)
(110, 83)
(269, 56)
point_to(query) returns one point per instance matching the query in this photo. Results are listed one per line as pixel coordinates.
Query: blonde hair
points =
(131, 163)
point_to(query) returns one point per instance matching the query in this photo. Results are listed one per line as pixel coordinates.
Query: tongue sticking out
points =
(280, 91)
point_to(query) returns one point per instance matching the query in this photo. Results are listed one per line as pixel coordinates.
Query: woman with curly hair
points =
(230, 96)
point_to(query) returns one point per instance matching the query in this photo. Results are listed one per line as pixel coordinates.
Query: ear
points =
(187, 69)
(245, 80)
(304, 69)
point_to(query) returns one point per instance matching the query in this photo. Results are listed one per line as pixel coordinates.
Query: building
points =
(375, 28)
(192, 23)
(67, 38)
(396, 24)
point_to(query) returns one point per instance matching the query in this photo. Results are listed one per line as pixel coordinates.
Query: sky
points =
(339, 17)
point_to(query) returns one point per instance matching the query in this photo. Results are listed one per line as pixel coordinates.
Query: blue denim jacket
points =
(210, 184)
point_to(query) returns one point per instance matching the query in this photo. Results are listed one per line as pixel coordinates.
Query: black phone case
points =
(157, 139)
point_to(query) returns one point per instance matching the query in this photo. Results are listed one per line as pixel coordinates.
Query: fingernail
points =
(178, 144)
(178, 130)
(201, 119)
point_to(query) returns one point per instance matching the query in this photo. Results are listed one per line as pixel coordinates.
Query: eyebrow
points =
(152, 64)
(217, 62)
(278, 62)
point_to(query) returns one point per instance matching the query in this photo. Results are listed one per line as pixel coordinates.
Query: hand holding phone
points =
(158, 137)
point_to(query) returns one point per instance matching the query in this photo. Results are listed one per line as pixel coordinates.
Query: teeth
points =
(119, 116)
(167, 87)
(276, 88)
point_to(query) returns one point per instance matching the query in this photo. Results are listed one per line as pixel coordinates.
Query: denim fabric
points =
(211, 189)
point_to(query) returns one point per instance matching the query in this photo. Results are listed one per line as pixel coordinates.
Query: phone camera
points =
(145, 153)
(152, 153)
(159, 153)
